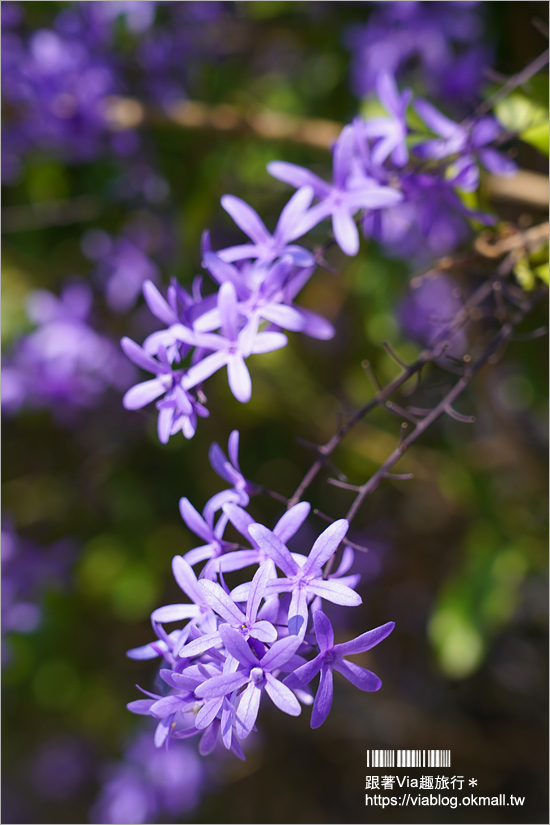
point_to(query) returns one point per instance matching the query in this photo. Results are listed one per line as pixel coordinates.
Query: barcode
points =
(409, 759)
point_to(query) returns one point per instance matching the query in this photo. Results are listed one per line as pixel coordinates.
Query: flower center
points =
(256, 675)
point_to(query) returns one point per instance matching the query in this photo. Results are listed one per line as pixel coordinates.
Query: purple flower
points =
(28, 571)
(232, 347)
(265, 247)
(438, 44)
(138, 15)
(391, 132)
(305, 581)
(245, 623)
(229, 470)
(60, 767)
(254, 675)
(198, 611)
(466, 140)
(123, 267)
(331, 657)
(150, 783)
(178, 410)
(204, 527)
(430, 222)
(64, 363)
(429, 309)
(344, 197)
(266, 294)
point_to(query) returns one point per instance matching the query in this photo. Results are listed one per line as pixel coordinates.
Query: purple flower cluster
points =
(123, 264)
(64, 363)
(56, 81)
(238, 646)
(432, 218)
(428, 309)
(27, 571)
(438, 45)
(405, 198)
(150, 784)
(257, 284)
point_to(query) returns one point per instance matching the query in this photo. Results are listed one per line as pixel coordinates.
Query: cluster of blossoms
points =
(400, 187)
(438, 45)
(64, 364)
(54, 84)
(150, 784)
(123, 264)
(28, 570)
(238, 645)
(56, 81)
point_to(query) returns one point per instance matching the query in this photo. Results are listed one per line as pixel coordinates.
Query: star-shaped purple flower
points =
(331, 657)
(305, 581)
(257, 675)
(265, 247)
(178, 410)
(343, 198)
(232, 347)
(245, 623)
(468, 140)
(198, 611)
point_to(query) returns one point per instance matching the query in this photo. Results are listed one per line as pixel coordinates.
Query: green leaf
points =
(524, 275)
(529, 119)
(542, 272)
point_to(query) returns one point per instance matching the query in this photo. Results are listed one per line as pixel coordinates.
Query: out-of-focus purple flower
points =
(468, 141)
(123, 267)
(27, 572)
(137, 14)
(55, 86)
(64, 363)
(150, 784)
(11, 14)
(390, 132)
(429, 309)
(438, 44)
(430, 222)
(342, 199)
(60, 768)
(172, 52)
(332, 657)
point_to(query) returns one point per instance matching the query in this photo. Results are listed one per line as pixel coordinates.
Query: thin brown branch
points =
(500, 339)
(531, 238)
(383, 394)
(513, 83)
(511, 239)
(25, 217)
(128, 113)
